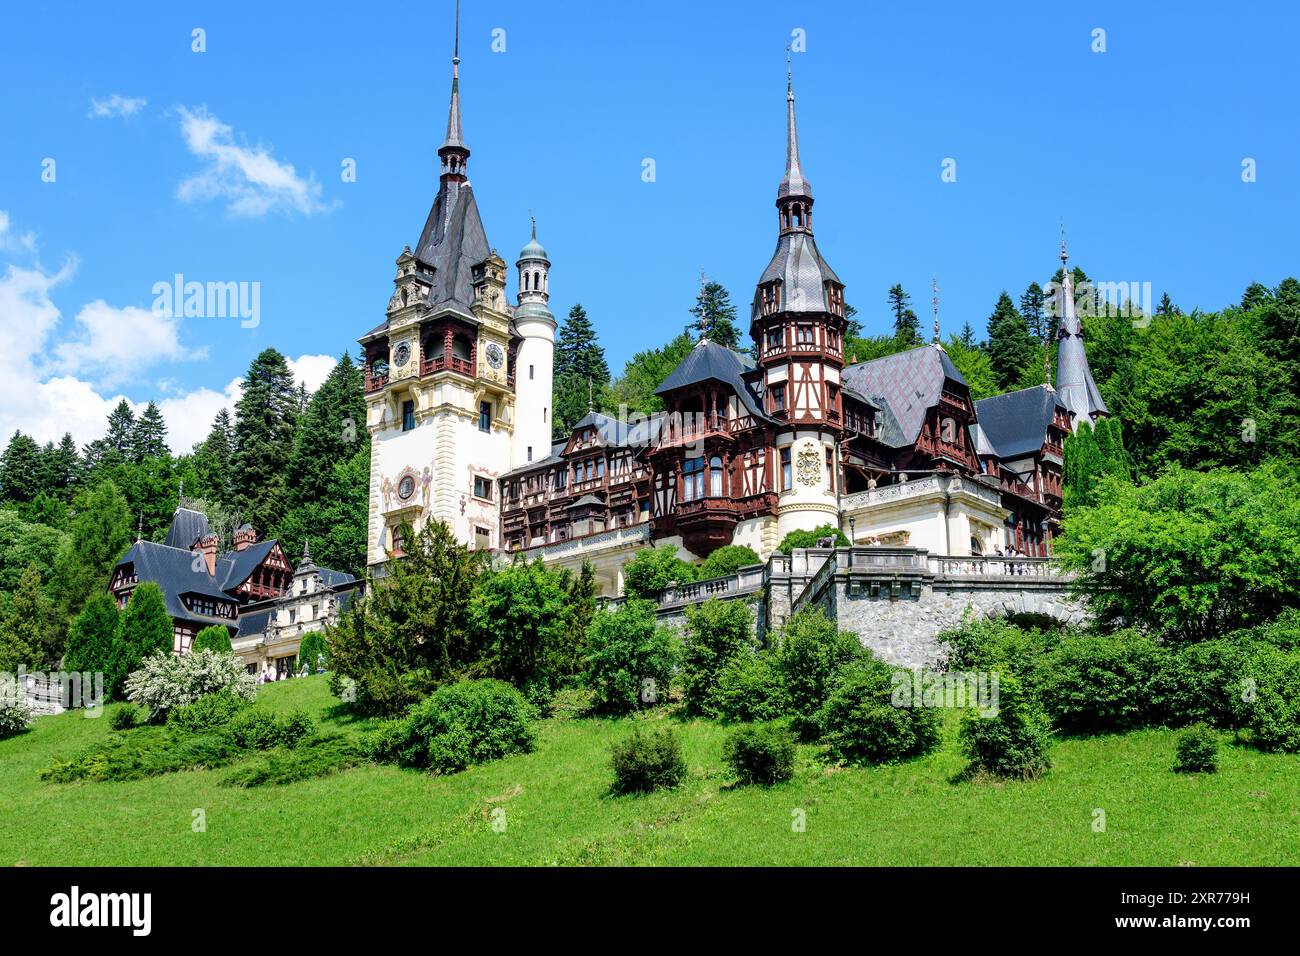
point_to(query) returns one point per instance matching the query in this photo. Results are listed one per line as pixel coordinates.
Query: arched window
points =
(460, 348)
(525, 281)
(976, 546)
(715, 477)
(537, 280)
(692, 479)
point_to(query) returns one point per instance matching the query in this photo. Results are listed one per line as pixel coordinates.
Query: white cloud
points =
(113, 344)
(249, 179)
(311, 370)
(116, 105)
(42, 393)
(11, 242)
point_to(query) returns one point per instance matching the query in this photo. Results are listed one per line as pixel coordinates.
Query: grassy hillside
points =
(558, 810)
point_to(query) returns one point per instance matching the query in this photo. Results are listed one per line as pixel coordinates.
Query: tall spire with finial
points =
(454, 152)
(1074, 383)
(702, 323)
(794, 196)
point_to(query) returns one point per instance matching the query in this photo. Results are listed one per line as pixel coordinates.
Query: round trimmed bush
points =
(761, 755)
(860, 723)
(126, 717)
(1011, 742)
(262, 730)
(1270, 698)
(1094, 684)
(750, 688)
(467, 723)
(1197, 750)
(644, 762)
(212, 638)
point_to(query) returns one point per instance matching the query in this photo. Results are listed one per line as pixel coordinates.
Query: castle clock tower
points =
(440, 372)
(798, 325)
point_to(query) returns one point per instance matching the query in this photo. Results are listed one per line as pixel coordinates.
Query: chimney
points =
(244, 537)
(208, 545)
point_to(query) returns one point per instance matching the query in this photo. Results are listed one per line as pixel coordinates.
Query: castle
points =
(894, 451)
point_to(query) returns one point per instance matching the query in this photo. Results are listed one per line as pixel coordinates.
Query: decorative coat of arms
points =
(810, 464)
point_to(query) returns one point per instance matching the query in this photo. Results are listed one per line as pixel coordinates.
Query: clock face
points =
(406, 487)
(402, 354)
(495, 355)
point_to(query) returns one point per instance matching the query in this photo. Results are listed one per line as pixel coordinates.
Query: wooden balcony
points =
(447, 363)
(375, 382)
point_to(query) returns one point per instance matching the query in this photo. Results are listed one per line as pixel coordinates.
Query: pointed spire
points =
(453, 151)
(1075, 386)
(701, 323)
(794, 191)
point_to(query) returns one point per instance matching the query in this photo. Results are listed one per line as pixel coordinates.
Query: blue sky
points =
(225, 166)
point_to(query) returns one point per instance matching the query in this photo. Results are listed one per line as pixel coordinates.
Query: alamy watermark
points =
(209, 300)
(957, 689)
(80, 689)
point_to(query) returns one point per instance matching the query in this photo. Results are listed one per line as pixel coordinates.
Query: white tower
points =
(535, 361)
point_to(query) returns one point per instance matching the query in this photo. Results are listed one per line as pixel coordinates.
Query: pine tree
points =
(1033, 307)
(99, 534)
(1166, 306)
(1011, 348)
(1083, 466)
(967, 337)
(715, 316)
(581, 373)
(145, 629)
(1256, 295)
(907, 327)
(31, 630)
(21, 469)
(66, 467)
(211, 462)
(149, 437)
(265, 418)
(92, 636)
(121, 431)
(330, 430)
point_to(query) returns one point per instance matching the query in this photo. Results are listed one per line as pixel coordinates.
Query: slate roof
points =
(172, 569)
(903, 386)
(802, 271)
(1074, 383)
(711, 361)
(1015, 424)
(453, 242)
(254, 622)
(234, 567)
(187, 527)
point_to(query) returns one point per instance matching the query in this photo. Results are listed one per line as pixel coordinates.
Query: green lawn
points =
(558, 810)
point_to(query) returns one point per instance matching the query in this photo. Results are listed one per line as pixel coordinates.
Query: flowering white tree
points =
(165, 681)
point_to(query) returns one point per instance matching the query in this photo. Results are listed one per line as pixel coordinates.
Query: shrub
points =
(164, 680)
(762, 755)
(1197, 750)
(212, 712)
(809, 539)
(1012, 742)
(318, 757)
(860, 723)
(651, 570)
(728, 559)
(147, 752)
(716, 631)
(384, 743)
(1199, 683)
(262, 730)
(644, 762)
(126, 717)
(313, 653)
(467, 723)
(988, 645)
(214, 638)
(15, 715)
(1270, 698)
(750, 688)
(810, 653)
(1282, 632)
(1100, 684)
(626, 648)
